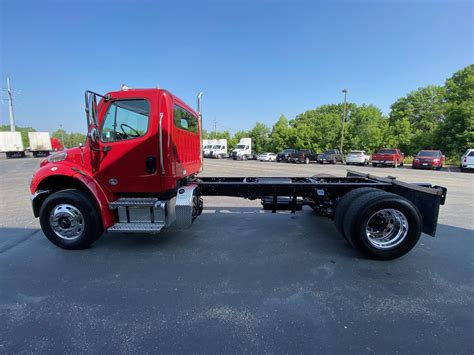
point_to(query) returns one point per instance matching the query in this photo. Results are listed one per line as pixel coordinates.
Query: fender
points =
(64, 175)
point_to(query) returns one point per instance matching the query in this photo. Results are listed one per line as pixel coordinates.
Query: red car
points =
(428, 159)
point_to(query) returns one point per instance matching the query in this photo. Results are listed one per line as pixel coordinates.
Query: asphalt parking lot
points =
(239, 280)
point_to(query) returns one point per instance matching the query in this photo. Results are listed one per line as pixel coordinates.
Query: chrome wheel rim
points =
(386, 228)
(67, 222)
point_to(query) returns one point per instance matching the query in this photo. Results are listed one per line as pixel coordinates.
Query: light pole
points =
(343, 118)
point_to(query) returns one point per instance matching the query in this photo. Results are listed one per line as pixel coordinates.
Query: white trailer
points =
(243, 150)
(40, 143)
(219, 150)
(11, 144)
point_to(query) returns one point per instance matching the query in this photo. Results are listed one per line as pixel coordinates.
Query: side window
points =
(185, 120)
(125, 119)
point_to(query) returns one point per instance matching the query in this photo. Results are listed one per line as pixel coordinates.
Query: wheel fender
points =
(76, 177)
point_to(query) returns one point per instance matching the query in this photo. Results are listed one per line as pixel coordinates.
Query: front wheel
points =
(382, 226)
(70, 220)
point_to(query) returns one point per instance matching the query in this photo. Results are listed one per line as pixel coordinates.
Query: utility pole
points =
(62, 134)
(10, 106)
(343, 118)
(215, 126)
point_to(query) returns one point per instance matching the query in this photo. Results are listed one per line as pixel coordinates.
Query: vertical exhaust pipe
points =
(199, 109)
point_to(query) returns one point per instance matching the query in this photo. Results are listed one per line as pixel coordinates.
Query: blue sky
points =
(254, 60)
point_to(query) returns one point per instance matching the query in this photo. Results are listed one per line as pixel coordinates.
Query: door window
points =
(125, 119)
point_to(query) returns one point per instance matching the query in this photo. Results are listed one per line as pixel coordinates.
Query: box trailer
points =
(40, 143)
(12, 145)
(142, 176)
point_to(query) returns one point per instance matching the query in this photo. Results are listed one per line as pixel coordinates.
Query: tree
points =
(456, 133)
(280, 135)
(260, 135)
(366, 129)
(424, 109)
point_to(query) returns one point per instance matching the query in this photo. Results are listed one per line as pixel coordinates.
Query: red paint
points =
(125, 161)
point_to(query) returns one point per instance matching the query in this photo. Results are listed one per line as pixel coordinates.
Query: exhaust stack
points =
(199, 109)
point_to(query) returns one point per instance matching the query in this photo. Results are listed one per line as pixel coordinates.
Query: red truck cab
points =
(388, 157)
(145, 142)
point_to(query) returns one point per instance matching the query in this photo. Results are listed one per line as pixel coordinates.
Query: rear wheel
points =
(343, 205)
(382, 226)
(70, 220)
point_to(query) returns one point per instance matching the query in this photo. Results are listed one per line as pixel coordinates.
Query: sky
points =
(254, 60)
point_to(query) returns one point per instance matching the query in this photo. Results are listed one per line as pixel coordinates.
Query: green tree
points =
(424, 109)
(280, 135)
(456, 133)
(260, 135)
(366, 130)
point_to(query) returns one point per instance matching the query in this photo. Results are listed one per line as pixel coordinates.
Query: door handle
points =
(150, 164)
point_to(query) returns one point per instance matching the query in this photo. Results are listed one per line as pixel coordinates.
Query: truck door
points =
(126, 157)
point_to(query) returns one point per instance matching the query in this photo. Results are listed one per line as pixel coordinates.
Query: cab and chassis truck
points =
(138, 173)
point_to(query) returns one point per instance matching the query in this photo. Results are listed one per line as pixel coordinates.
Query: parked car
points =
(357, 157)
(331, 156)
(388, 157)
(428, 159)
(467, 160)
(285, 154)
(303, 156)
(267, 157)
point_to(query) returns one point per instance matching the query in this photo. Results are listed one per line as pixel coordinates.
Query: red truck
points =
(388, 157)
(56, 144)
(138, 173)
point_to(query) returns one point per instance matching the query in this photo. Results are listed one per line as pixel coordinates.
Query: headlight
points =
(57, 157)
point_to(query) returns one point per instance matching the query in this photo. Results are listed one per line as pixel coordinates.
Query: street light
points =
(343, 118)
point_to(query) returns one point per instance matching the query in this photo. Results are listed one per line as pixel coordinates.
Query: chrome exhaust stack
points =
(199, 109)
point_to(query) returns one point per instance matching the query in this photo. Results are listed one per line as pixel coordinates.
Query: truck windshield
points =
(356, 153)
(216, 147)
(387, 151)
(240, 146)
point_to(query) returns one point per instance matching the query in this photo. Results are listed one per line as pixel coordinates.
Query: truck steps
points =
(136, 227)
(133, 202)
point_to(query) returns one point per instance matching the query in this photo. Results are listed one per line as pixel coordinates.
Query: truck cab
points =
(243, 150)
(142, 146)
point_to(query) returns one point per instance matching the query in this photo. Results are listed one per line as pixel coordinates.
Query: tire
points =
(244, 157)
(344, 203)
(83, 209)
(374, 165)
(364, 210)
(306, 160)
